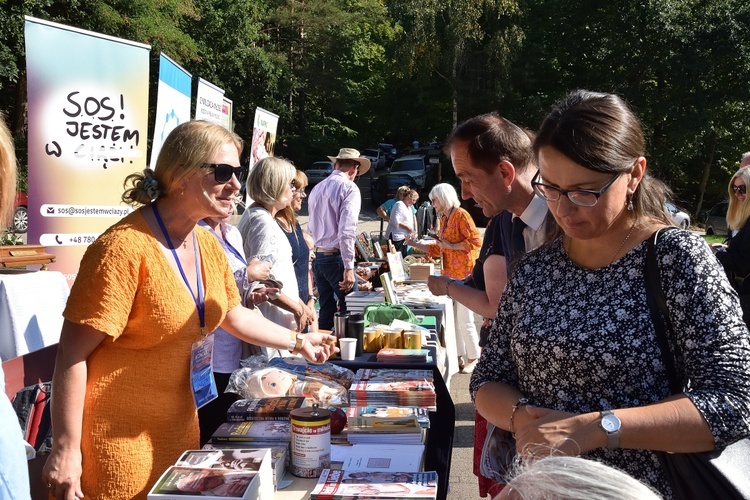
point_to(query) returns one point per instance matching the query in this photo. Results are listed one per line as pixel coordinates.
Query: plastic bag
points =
(273, 382)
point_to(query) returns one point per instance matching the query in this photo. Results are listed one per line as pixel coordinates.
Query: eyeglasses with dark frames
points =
(739, 188)
(223, 172)
(580, 197)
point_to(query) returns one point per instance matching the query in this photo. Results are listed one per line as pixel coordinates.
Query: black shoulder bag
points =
(721, 474)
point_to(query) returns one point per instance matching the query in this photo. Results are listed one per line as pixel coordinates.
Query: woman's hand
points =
(300, 315)
(542, 432)
(438, 285)
(263, 294)
(62, 473)
(318, 347)
(258, 270)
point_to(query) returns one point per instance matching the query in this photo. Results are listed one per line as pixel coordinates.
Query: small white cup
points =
(348, 348)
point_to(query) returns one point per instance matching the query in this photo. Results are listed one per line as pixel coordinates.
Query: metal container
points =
(339, 324)
(311, 441)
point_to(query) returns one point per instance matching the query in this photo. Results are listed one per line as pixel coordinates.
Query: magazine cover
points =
(258, 460)
(187, 483)
(423, 416)
(258, 409)
(340, 484)
(253, 431)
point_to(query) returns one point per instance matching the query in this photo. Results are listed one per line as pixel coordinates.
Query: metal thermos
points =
(355, 329)
(339, 324)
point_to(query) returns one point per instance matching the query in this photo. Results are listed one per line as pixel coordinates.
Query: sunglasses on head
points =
(223, 172)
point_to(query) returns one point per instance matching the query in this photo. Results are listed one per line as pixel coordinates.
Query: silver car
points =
(318, 171)
(716, 222)
(680, 217)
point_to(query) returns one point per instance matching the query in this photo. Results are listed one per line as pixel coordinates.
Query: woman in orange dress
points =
(458, 245)
(149, 288)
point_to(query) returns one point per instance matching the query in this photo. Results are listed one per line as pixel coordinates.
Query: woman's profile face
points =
(583, 223)
(213, 198)
(299, 195)
(739, 189)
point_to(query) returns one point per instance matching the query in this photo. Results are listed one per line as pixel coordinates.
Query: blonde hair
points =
(8, 167)
(574, 478)
(403, 192)
(738, 212)
(287, 214)
(269, 178)
(186, 149)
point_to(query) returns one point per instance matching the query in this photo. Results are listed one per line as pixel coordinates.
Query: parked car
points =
(716, 222)
(421, 167)
(680, 217)
(376, 157)
(390, 152)
(318, 171)
(384, 187)
(20, 213)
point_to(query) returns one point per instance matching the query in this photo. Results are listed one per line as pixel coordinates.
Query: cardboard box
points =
(420, 272)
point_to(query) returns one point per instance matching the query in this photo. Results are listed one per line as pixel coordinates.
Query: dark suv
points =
(716, 222)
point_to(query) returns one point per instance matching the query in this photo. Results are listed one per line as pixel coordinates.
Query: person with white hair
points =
(572, 478)
(458, 245)
(745, 161)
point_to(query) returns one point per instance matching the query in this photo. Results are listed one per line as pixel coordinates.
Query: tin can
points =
(311, 441)
(412, 339)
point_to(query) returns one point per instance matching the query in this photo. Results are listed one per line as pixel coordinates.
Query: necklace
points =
(184, 241)
(632, 228)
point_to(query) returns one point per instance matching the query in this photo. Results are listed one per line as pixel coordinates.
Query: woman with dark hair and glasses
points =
(735, 255)
(573, 365)
(149, 292)
(271, 185)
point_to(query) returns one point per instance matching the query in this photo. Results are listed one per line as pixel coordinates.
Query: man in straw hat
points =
(334, 206)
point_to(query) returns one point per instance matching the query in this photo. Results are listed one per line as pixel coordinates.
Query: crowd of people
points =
(552, 316)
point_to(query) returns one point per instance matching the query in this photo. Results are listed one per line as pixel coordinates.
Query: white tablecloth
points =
(31, 306)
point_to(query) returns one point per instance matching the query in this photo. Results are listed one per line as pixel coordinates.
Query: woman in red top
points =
(458, 245)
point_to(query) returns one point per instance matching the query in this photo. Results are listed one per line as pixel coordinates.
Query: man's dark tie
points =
(517, 242)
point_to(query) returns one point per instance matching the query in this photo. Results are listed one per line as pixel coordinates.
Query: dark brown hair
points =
(601, 133)
(490, 139)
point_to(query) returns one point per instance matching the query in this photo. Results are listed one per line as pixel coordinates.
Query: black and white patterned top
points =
(582, 340)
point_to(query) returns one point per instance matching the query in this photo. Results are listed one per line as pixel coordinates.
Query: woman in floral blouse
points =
(458, 245)
(573, 365)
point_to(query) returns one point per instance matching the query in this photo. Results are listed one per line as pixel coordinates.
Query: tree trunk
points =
(706, 171)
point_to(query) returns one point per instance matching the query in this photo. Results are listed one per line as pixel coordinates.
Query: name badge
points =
(201, 371)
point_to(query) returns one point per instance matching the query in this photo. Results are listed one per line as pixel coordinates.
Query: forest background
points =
(358, 72)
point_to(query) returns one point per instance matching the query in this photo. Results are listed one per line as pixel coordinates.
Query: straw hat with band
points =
(353, 155)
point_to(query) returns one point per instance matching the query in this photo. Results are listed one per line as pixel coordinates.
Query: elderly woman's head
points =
(270, 182)
(444, 197)
(189, 148)
(403, 192)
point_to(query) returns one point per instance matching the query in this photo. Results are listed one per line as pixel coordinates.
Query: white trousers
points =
(467, 335)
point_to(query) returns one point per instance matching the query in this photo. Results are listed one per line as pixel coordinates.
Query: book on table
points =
(345, 484)
(190, 483)
(384, 457)
(386, 425)
(393, 387)
(237, 459)
(279, 455)
(259, 409)
(269, 431)
(394, 355)
(373, 412)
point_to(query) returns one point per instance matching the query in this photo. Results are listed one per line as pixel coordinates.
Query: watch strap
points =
(613, 437)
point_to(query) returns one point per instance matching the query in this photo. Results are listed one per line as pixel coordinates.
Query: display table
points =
(31, 307)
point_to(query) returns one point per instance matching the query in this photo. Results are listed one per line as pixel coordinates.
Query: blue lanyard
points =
(228, 246)
(200, 301)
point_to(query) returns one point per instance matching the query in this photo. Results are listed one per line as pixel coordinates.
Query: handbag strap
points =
(657, 304)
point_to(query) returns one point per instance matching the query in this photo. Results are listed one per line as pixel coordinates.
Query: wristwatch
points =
(611, 425)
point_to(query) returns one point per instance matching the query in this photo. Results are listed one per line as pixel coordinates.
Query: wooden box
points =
(420, 272)
(24, 255)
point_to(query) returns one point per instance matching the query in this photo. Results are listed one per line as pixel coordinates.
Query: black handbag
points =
(721, 474)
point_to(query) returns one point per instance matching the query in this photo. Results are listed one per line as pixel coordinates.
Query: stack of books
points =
(344, 484)
(393, 387)
(385, 412)
(259, 434)
(387, 430)
(217, 474)
(392, 355)
(357, 301)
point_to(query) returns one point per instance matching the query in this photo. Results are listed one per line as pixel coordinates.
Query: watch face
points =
(610, 423)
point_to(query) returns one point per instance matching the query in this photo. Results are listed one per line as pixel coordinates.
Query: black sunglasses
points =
(223, 172)
(739, 188)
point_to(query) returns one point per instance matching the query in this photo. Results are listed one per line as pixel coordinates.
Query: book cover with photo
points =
(188, 483)
(423, 416)
(258, 460)
(387, 425)
(259, 409)
(279, 455)
(343, 484)
(264, 431)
